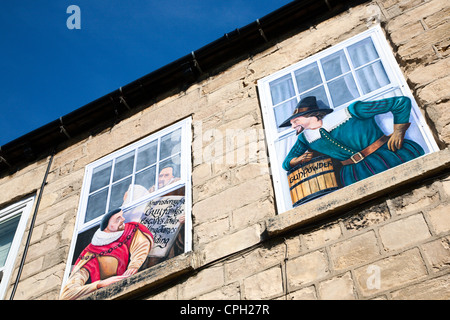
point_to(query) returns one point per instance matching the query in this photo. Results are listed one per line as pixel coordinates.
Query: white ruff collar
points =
(329, 122)
(102, 238)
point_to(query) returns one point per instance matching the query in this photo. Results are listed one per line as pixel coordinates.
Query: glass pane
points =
(146, 155)
(319, 93)
(96, 205)
(343, 90)
(169, 171)
(100, 176)
(118, 195)
(170, 144)
(146, 179)
(124, 166)
(7, 232)
(284, 111)
(308, 77)
(362, 52)
(335, 65)
(281, 89)
(372, 77)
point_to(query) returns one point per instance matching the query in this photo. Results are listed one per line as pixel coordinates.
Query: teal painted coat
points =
(350, 130)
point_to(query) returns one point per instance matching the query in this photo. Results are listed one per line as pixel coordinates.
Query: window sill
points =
(370, 188)
(146, 280)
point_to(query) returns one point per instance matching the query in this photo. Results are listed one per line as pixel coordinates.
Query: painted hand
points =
(307, 156)
(395, 142)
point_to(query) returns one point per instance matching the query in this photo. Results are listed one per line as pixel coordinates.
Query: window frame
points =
(23, 208)
(185, 180)
(397, 82)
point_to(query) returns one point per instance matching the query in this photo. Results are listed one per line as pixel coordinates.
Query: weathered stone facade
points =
(395, 226)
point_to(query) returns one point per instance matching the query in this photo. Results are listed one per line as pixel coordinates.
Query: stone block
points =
(437, 253)
(229, 292)
(423, 75)
(433, 289)
(397, 235)
(252, 213)
(440, 17)
(308, 293)
(337, 288)
(393, 272)
(264, 285)
(201, 173)
(231, 243)
(441, 119)
(211, 230)
(439, 218)
(320, 237)
(367, 217)
(407, 32)
(417, 13)
(204, 281)
(306, 268)
(254, 261)
(354, 251)
(417, 200)
(436, 90)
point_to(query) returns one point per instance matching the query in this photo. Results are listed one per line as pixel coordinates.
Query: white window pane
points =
(146, 155)
(343, 90)
(100, 176)
(170, 144)
(282, 89)
(362, 52)
(96, 205)
(146, 179)
(7, 231)
(123, 166)
(319, 93)
(308, 77)
(372, 77)
(334, 65)
(284, 111)
(118, 191)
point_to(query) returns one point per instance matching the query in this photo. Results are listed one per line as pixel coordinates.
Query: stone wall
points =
(399, 239)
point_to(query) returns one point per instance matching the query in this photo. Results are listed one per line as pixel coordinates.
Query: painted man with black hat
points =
(352, 136)
(117, 251)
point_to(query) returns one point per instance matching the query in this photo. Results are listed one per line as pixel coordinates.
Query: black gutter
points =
(177, 75)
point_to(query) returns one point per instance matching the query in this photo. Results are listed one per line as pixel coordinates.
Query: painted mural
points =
(336, 148)
(129, 239)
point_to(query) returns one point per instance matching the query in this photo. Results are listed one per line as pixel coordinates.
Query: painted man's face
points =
(300, 123)
(165, 176)
(116, 223)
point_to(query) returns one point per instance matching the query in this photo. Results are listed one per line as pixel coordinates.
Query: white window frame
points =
(397, 84)
(24, 209)
(185, 175)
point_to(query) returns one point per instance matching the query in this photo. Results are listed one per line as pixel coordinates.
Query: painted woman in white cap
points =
(352, 136)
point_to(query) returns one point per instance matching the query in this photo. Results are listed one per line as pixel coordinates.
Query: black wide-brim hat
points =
(106, 217)
(306, 106)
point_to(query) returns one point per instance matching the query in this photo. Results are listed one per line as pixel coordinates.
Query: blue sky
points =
(48, 70)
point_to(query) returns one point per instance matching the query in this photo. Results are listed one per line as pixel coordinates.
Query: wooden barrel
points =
(311, 180)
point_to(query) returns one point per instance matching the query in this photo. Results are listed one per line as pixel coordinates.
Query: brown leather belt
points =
(359, 156)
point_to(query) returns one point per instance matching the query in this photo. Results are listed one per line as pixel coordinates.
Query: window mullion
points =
(158, 150)
(108, 198)
(352, 71)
